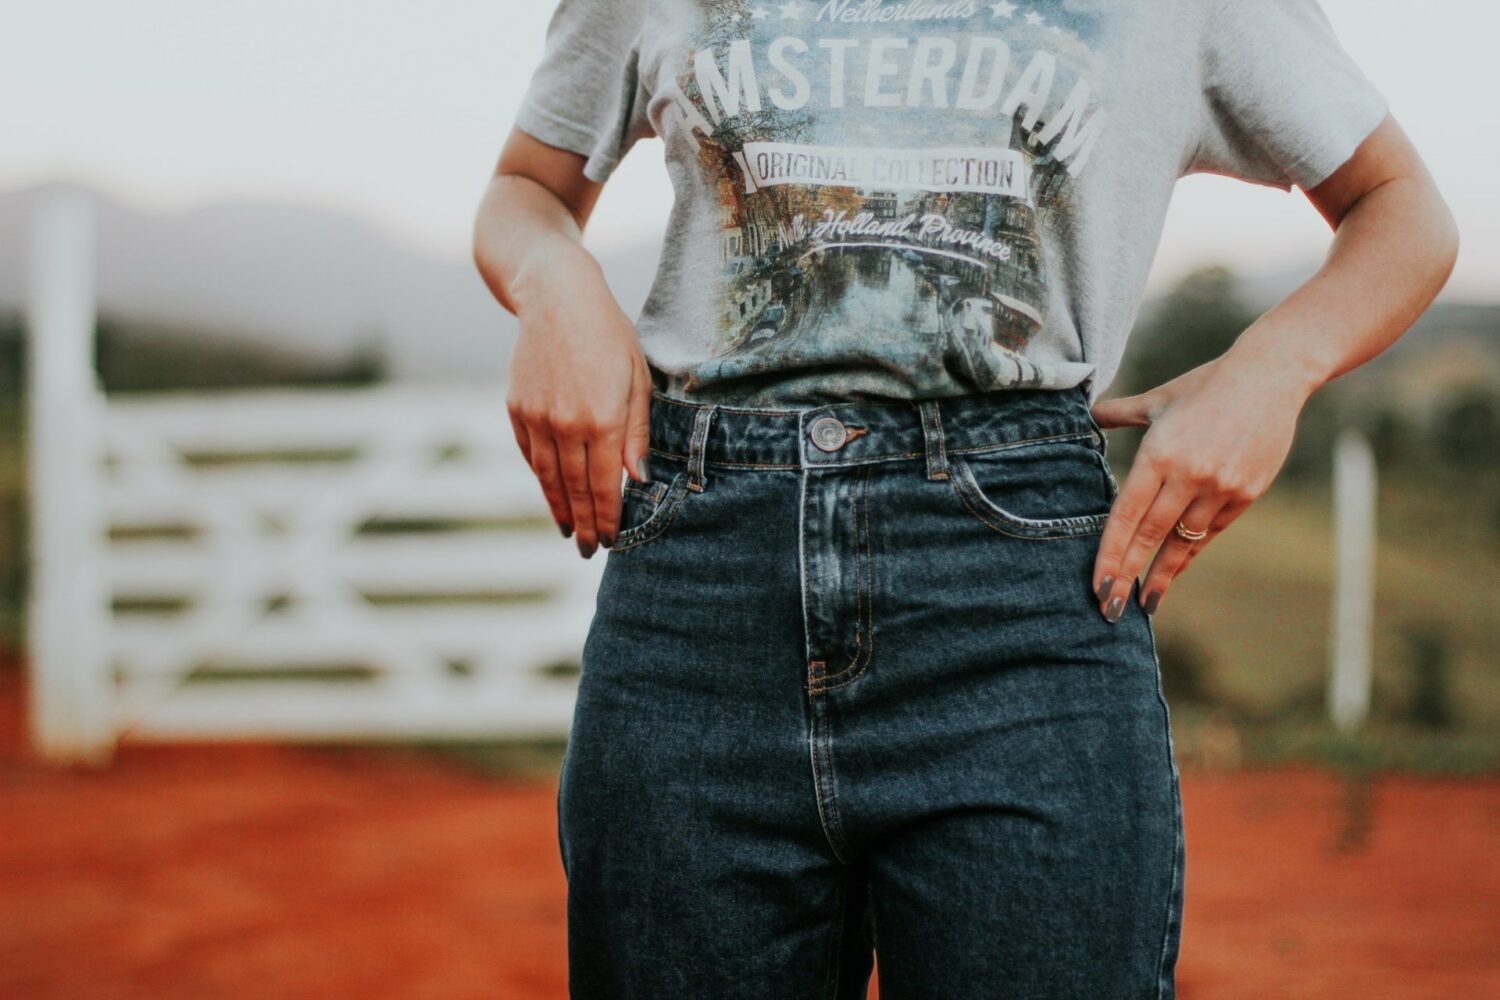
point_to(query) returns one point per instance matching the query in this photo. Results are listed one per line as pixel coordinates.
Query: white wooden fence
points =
(301, 564)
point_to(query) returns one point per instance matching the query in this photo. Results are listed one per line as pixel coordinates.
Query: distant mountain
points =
(324, 285)
(329, 286)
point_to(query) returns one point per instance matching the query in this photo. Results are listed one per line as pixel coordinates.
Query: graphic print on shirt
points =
(880, 169)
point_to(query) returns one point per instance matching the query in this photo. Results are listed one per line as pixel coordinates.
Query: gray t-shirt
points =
(918, 198)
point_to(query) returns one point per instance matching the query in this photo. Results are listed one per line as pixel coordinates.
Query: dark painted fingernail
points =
(608, 541)
(1115, 609)
(566, 529)
(1152, 600)
(1104, 588)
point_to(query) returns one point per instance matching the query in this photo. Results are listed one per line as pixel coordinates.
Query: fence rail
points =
(295, 564)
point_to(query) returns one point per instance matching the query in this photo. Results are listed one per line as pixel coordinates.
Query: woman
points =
(872, 669)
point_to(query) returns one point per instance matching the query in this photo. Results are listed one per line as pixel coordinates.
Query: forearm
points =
(1392, 253)
(527, 242)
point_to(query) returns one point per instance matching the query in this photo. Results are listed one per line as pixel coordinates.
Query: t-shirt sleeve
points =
(586, 95)
(1282, 102)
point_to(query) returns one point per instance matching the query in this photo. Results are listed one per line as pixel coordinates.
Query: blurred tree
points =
(1186, 669)
(1310, 460)
(1466, 432)
(1193, 323)
(367, 365)
(11, 355)
(138, 356)
(1391, 435)
(1430, 704)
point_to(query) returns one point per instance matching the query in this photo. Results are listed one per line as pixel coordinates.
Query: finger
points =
(1136, 495)
(523, 437)
(1150, 531)
(638, 425)
(548, 468)
(1173, 554)
(604, 482)
(572, 451)
(1222, 520)
(1127, 411)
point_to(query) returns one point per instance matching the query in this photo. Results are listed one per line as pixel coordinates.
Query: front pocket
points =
(646, 509)
(1057, 488)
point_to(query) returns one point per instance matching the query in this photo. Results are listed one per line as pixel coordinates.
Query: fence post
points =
(68, 612)
(1354, 580)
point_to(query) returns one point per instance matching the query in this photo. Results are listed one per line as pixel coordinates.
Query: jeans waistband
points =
(863, 431)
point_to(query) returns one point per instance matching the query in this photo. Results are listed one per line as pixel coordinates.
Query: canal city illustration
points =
(879, 188)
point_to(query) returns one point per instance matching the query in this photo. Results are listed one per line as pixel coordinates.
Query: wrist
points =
(554, 273)
(1268, 367)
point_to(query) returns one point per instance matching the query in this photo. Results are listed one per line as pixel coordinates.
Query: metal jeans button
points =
(828, 433)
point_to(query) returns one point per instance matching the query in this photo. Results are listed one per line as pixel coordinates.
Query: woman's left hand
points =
(1217, 437)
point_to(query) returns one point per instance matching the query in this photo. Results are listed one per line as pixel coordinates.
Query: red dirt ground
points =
(256, 871)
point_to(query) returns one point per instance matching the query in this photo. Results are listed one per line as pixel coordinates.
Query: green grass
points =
(1255, 605)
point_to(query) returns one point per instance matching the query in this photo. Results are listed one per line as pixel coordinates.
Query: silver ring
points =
(1192, 536)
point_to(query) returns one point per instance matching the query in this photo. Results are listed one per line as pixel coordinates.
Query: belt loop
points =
(932, 435)
(698, 445)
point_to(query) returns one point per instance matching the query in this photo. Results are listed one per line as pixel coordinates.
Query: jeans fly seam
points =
(834, 824)
(831, 977)
(864, 590)
(802, 567)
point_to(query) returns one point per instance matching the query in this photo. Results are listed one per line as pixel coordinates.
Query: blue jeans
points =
(847, 694)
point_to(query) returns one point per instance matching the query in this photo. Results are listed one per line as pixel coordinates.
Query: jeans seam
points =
(831, 977)
(864, 575)
(834, 824)
(883, 457)
(638, 491)
(654, 525)
(1043, 534)
(1176, 875)
(1003, 445)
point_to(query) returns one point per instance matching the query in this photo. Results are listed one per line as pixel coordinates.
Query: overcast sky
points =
(395, 112)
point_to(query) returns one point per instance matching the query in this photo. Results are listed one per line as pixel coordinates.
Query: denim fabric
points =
(847, 694)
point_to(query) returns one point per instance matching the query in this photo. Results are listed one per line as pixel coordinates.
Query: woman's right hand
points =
(580, 391)
(579, 396)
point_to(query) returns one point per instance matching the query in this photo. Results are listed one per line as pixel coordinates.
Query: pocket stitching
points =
(993, 516)
(657, 521)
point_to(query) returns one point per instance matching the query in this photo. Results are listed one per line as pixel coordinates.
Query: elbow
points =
(1449, 242)
(1443, 242)
(482, 244)
(477, 231)
(483, 216)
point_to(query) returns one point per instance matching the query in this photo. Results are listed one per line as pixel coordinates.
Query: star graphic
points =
(1002, 9)
(760, 13)
(1033, 18)
(791, 11)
